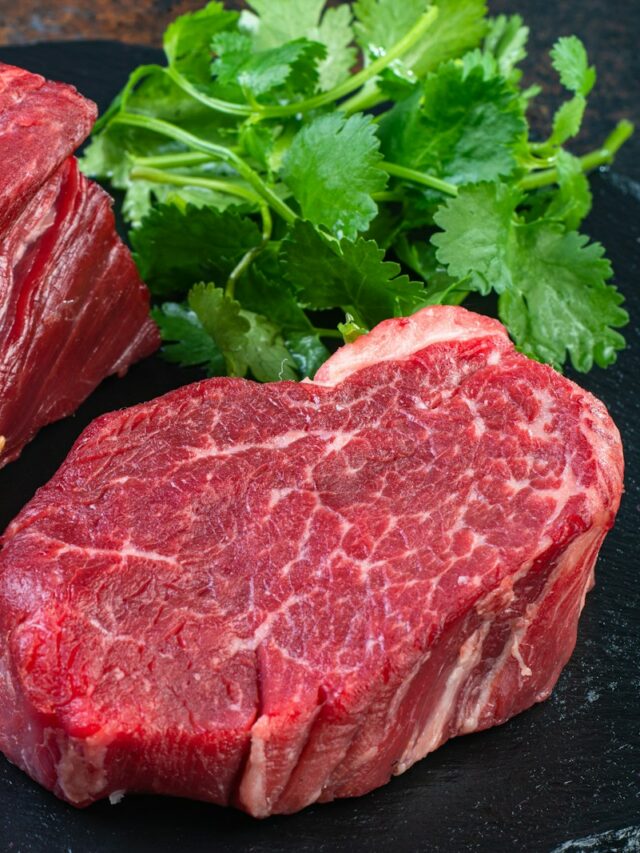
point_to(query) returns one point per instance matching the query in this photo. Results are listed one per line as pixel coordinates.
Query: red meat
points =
(270, 595)
(72, 306)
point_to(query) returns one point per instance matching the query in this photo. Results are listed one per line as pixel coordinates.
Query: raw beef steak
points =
(269, 595)
(41, 124)
(72, 306)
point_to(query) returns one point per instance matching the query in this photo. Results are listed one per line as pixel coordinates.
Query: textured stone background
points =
(610, 29)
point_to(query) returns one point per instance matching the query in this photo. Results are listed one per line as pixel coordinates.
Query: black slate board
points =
(564, 775)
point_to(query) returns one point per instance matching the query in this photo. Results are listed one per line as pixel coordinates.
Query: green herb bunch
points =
(291, 164)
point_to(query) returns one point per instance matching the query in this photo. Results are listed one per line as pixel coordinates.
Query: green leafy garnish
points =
(459, 126)
(353, 276)
(332, 167)
(296, 174)
(552, 283)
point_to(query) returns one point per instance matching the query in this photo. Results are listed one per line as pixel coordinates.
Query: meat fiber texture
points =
(270, 595)
(73, 308)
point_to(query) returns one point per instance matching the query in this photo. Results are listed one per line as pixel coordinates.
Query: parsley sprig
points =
(294, 175)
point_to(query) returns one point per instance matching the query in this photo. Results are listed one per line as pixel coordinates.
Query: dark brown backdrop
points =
(610, 29)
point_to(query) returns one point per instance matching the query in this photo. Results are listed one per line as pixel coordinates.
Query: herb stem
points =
(419, 178)
(355, 81)
(216, 104)
(600, 157)
(213, 150)
(387, 195)
(327, 333)
(365, 99)
(244, 263)
(157, 176)
(174, 161)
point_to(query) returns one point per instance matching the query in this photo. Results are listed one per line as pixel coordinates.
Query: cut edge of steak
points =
(268, 596)
(41, 124)
(73, 308)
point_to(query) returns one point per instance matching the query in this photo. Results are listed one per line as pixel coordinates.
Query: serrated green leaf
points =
(290, 68)
(280, 21)
(572, 200)
(186, 40)
(564, 305)
(266, 290)
(350, 275)
(186, 342)
(222, 319)
(552, 283)
(420, 256)
(271, 69)
(308, 352)
(462, 128)
(475, 245)
(174, 248)
(570, 60)
(568, 120)
(248, 341)
(459, 27)
(231, 51)
(332, 170)
(266, 352)
(506, 41)
(381, 23)
(335, 33)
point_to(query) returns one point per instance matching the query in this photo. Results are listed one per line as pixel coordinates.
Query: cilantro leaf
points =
(552, 283)
(220, 317)
(232, 50)
(294, 63)
(562, 304)
(307, 351)
(266, 290)
(459, 27)
(572, 200)
(176, 247)
(476, 244)
(247, 341)
(506, 41)
(187, 343)
(281, 21)
(277, 22)
(570, 60)
(461, 127)
(335, 33)
(381, 23)
(420, 256)
(568, 119)
(350, 275)
(332, 170)
(186, 40)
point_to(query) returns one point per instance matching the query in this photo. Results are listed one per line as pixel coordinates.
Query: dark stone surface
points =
(566, 772)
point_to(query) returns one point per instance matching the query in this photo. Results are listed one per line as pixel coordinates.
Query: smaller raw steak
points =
(73, 308)
(41, 124)
(270, 595)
